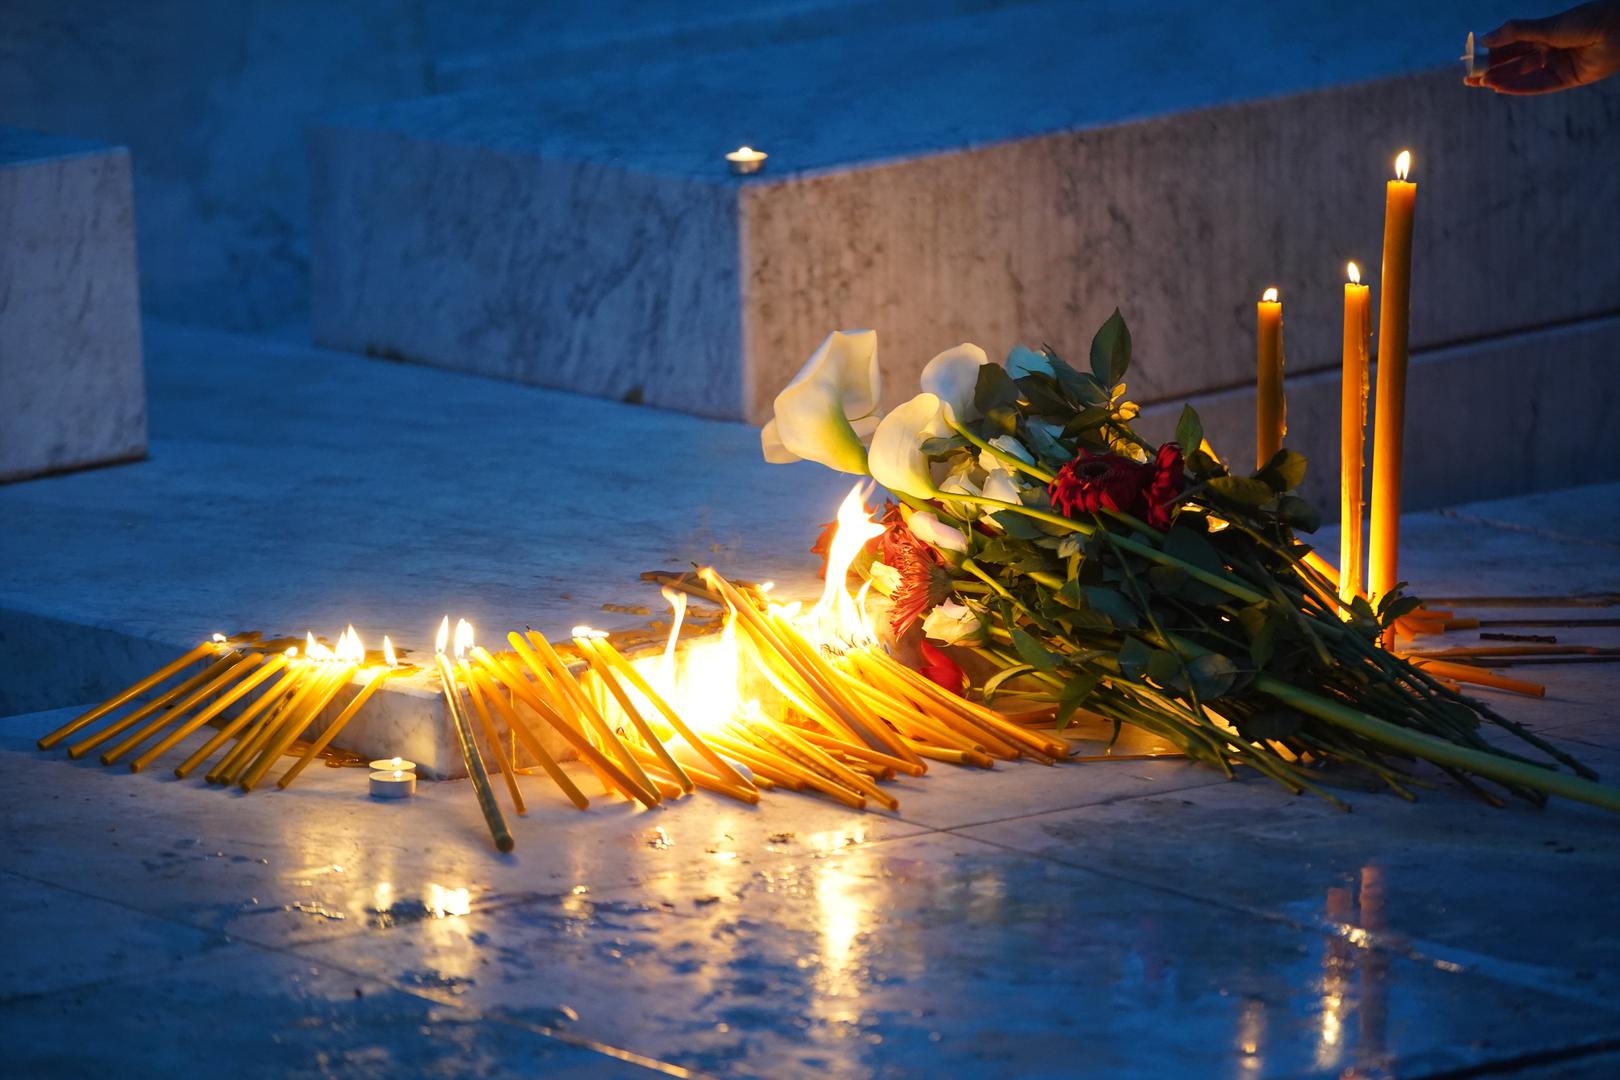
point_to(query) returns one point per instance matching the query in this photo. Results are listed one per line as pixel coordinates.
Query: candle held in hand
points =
(1270, 408)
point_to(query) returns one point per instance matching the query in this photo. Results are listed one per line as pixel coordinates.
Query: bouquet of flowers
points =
(1087, 569)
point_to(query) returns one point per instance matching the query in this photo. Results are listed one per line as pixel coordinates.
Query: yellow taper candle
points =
(1270, 408)
(1389, 416)
(1352, 432)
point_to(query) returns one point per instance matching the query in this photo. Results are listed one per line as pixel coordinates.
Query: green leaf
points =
(1212, 675)
(939, 446)
(1302, 514)
(994, 682)
(1163, 667)
(1086, 419)
(1167, 580)
(1271, 724)
(1285, 471)
(1000, 551)
(1243, 490)
(1016, 525)
(1189, 429)
(1070, 595)
(1134, 658)
(1048, 451)
(1033, 652)
(1112, 603)
(1191, 546)
(1075, 692)
(1111, 350)
(1080, 385)
(1044, 397)
(994, 390)
(1023, 361)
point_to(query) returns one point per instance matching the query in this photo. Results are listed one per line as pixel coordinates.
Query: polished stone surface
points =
(583, 232)
(71, 385)
(1128, 918)
(1503, 416)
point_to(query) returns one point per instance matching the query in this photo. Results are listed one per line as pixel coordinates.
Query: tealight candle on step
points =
(745, 160)
(393, 764)
(393, 784)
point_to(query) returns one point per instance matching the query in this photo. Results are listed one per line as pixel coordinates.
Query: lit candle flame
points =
(1403, 164)
(388, 653)
(219, 639)
(1355, 273)
(464, 637)
(1270, 295)
(586, 632)
(443, 637)
(292, 651)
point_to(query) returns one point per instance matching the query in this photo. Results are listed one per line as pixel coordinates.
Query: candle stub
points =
(393, 784)
(745, 160)
(393, 764)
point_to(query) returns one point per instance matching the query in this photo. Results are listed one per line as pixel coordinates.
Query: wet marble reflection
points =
(867, 959)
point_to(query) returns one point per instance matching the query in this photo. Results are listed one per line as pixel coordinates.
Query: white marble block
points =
(584, 233)
(72, 391)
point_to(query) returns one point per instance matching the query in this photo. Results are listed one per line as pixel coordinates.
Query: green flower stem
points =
(1486, 763)
(1012, 460)
(1197, 573)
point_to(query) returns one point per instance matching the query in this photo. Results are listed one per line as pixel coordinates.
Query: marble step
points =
(1000, 177)
(1516, 414)
(71, 385)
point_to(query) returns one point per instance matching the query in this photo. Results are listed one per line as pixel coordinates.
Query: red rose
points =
(1094, 482)
(1169, 478)
(941, 669)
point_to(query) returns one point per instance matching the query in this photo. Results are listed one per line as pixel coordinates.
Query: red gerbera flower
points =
(1093, 482)
(923, 581)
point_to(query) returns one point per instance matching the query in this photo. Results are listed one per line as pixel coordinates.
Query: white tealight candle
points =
(393, 764)
(393, 784)
(745, 160)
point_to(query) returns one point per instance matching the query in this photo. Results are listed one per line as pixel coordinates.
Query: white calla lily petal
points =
(926, 526)
(839, 383)
(771, 443)
(896, 460)
(952, 376)
(1000, 485)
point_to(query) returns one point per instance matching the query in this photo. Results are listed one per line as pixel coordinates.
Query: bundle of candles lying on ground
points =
(803, 699)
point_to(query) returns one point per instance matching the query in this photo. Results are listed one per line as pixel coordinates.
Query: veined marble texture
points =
(72, 392)
(1015, 189)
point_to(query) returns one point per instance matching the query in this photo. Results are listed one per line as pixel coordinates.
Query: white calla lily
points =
(885, 578)
(1000, 485)
(953, 624)
(952, 376)
(897, 460)
(959, 484)
(926, 526)
(821, 414)
(1008, 445)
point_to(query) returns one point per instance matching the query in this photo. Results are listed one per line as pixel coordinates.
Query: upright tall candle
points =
(1270, 410)
(1352, 432)
(1389, 416)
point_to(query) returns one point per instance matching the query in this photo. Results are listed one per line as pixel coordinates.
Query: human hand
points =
(1560, 52)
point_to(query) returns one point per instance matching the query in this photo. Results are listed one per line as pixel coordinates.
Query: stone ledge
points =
(581, 233)
(1523, 413)
(72, 391)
